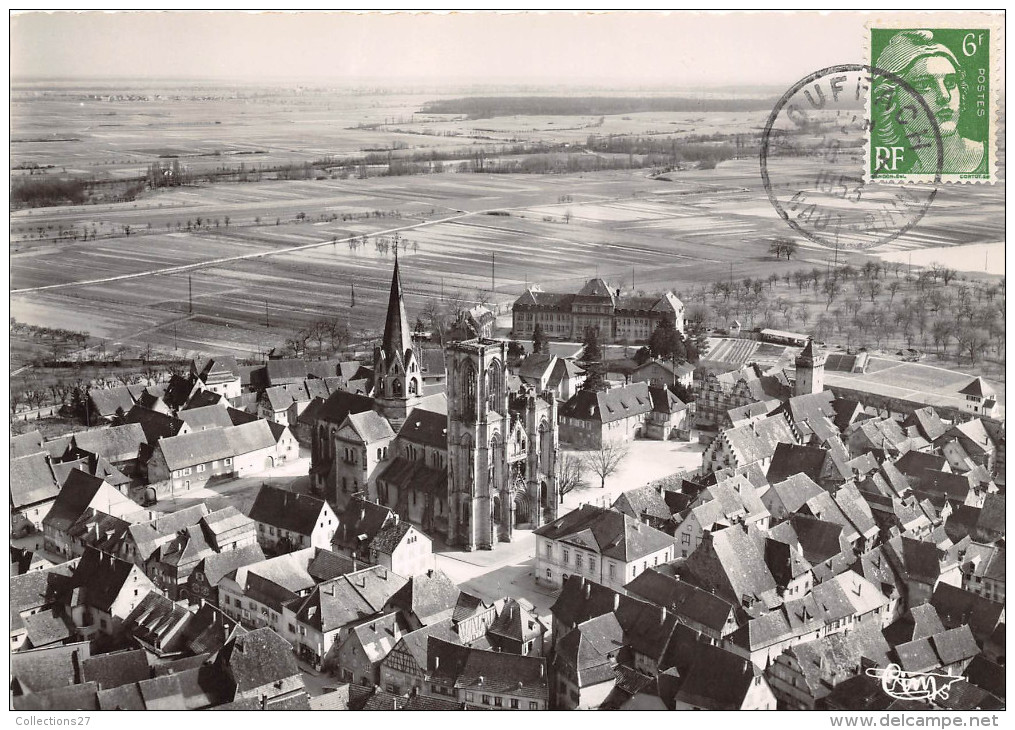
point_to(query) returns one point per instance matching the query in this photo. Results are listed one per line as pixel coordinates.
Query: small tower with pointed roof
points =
(979, 397)
(810, 370)
(398, 383)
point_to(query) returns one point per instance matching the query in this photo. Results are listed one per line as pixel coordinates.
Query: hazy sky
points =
(682, 49)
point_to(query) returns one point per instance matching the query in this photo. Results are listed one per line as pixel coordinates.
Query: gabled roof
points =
(596, 288)
(425, 427)
(973, 436)
(642, 502)
(218, 565)
(206, 417)
(790, 494)
(978, 387)
(25, 444)
(257, 658)
(116, 443)
(310, 414)
(580, 599)
(220, 368)
(198, 447)
(732, 563)
(155, 425)
(346, 599)
(415, 642)
(341, 403)
(665, 400)
(390, 537)
(609, 405)
(116, 668)
(790, 459)
(927, 422)
(79, 492)
(108, 400)
(80, 697)
(684, 599)
(914, 463)
(48, 627)
(607, 532)
(377, 635)
(370, 426)
(287, 510)
(825, 662)
(178, 391)
(590, 650)
(956, 606)
(278, 397)
(518, 621)
(429, 597)
(717, 679)
(99, 579)
(360, 522)
(38, 670)
(503, 673)
(758, 440)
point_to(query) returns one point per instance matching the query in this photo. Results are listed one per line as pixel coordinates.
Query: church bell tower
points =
(398, 382)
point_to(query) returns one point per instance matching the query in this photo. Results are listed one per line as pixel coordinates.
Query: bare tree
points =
(831, 289)
(297, 342)
(604, 461)
(570, 475)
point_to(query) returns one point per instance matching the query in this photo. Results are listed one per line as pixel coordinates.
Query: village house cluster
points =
(822, 536)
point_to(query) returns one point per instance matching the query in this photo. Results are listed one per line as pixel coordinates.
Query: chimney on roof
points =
(429, 573)
(662, 616)
(480, 680)
(436, 662)
(588, 591)
(363, 513)
(542, 670)
(616, 601)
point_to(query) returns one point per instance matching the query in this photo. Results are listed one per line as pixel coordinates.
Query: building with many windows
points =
(603, 545)
(620, 318)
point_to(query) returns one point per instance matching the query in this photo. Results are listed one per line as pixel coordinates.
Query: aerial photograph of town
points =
(508, 361)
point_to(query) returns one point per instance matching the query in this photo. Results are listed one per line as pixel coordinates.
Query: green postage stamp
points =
(947, 77)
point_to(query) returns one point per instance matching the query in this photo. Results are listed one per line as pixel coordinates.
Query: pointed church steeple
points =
(397, 335)
(398, 383)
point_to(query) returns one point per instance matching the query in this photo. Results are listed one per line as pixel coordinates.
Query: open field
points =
(915, 381)
(622, 224)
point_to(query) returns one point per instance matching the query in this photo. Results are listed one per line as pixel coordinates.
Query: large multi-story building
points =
(620, 318)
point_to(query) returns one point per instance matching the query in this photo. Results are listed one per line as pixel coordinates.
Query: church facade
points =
(471, 464)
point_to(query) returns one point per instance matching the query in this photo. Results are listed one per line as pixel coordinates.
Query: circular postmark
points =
(816, 152)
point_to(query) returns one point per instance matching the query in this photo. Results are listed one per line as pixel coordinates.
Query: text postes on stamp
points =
(951, 68)
(814, 152)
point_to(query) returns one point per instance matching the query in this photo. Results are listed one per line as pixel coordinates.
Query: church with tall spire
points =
(470, 463)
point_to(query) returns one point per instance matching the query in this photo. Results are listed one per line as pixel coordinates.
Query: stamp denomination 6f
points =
(950, 68)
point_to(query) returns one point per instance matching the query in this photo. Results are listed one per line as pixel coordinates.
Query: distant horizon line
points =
(599, 82)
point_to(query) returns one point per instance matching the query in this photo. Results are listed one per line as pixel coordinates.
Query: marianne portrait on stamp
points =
(932, 70)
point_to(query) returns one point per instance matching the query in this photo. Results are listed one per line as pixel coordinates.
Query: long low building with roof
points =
(190, 460)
